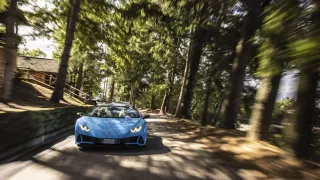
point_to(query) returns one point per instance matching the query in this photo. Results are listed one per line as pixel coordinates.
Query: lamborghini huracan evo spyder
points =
(111, 124)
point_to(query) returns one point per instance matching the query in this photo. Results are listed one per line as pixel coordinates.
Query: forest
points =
(215, 62)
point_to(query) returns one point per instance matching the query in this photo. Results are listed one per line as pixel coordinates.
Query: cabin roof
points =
(38, 64)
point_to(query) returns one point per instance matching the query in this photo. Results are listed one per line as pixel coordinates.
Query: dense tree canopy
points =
(219, 62)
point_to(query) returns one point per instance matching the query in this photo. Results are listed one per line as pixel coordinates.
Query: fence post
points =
(28, 75)
(50, 80)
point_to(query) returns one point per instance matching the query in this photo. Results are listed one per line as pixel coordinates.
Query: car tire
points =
(83, 147)
(143, 147)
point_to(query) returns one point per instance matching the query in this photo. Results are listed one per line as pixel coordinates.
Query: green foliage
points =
(283, 106)
(3, 5)
(31, 53)
(139, 41)
(306, 51)
(304, 47)
(275, 35)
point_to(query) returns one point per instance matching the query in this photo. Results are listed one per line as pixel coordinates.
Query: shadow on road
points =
(154, 146)
(68, 162)
(175, 150)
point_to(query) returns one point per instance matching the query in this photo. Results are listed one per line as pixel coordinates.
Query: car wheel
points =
(144, 146)
(83, 147)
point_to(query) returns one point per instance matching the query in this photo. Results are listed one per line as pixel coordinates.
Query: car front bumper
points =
(139, 140)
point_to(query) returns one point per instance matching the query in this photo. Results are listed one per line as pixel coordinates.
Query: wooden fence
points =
(35, 76)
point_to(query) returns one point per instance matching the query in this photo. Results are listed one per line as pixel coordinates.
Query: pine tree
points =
(63, 69)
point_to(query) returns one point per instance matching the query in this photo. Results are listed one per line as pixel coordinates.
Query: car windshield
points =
(113, 112)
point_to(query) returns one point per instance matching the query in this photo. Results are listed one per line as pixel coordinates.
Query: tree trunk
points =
(16, 29)
(168, 94)
(243, 55)
(173, 75)
(105, 88)
(72, 77)
(183, 86)
(217, 111)
(2, 69)
(210, 75)
(196, 46)
(262, 111)
(10, 50)
(171, 84)
(57, 94)
(206, 102)
(194, 105)
(164, 102)
(111, 89)
(307, 93)
(153, 102)
(264, 104)
(132, 94)
(305, 111)
(80, 77)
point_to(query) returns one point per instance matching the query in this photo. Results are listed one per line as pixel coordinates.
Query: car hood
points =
(111, 127)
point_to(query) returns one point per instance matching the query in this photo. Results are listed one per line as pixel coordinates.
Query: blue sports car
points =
(111, 124)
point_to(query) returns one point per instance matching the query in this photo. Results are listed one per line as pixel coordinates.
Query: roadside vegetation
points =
(219, 62)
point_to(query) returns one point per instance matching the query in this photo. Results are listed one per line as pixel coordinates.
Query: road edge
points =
(22, 149)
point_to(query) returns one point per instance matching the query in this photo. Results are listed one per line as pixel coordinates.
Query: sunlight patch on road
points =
(132, 163)
(243, 157)
(180, 175)
(197, 172)
(253, 174)
(160, 171)
(50, 156)
(196, 146)
(218, 174)
(160, 157)
(97, 172)
(176, 158)
(43, 172)
(246, 148)
(184, 153)
(160, 164)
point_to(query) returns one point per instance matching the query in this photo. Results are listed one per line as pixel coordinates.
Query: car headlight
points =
(84, 127)
(136, 129)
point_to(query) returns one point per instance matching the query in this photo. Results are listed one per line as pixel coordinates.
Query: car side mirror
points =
(80, 113)
(146, 116)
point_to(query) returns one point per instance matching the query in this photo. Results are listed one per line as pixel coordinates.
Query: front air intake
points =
(140, 141)
(133, 139)
(78, 138)
(89, 138)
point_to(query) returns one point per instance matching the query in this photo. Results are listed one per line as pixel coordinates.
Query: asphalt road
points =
(169, 155)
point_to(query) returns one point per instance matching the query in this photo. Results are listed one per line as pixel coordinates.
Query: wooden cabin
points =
(40, 69)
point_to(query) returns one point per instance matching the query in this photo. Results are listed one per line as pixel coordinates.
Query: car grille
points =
(133, 139)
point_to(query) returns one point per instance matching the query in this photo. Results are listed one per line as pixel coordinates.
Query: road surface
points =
(170, 154)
